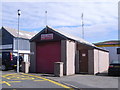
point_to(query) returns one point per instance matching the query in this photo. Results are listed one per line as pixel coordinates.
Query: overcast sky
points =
(100, 18)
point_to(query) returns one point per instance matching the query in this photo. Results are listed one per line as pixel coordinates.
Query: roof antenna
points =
(82, 26)
(46, 21)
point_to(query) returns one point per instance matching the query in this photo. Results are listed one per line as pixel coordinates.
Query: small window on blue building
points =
(118, 50)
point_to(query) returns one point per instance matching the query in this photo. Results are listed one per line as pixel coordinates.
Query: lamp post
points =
(19, 13)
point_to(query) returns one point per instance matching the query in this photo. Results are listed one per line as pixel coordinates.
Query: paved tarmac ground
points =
(22, 80)
(83, 82)
(87, 82)
(90, 82)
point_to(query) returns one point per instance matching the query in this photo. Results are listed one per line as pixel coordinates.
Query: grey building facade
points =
(9, 41)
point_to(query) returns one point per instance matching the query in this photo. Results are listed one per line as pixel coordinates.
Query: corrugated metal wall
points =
(7, 38)
(24, 44)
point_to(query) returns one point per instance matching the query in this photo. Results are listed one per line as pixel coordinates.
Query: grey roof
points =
(78, 39)
(68, 36)
(22, 34)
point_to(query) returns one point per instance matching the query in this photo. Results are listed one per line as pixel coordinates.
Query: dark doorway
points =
(83, 57)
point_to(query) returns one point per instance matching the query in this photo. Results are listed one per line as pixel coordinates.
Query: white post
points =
(19, 12)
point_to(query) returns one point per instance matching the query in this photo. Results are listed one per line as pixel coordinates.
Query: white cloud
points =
(60, 0)
(98, 16)
(94, 33)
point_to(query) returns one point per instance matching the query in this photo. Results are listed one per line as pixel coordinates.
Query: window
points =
(118, 50)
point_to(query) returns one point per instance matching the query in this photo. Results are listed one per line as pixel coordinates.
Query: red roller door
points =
(47, 54)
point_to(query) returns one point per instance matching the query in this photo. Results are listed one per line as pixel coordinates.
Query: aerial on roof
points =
(22, 34)
(112, 42)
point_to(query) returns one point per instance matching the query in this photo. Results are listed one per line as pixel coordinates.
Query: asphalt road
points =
(22, 80)
(90, 82)
(33, 81)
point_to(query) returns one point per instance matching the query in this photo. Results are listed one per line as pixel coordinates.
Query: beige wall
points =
(33, 57)
(101, 61)
(68, 56)
(71, 47)
(98, 61)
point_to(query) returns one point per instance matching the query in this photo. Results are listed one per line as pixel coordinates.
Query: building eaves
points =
(69, 36)
(22, 34)
(64, 35)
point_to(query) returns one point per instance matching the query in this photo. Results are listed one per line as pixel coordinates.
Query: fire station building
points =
(78, 56)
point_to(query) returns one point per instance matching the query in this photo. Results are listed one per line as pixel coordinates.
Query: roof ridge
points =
(16, 29)
(71, 36)
(22, 33)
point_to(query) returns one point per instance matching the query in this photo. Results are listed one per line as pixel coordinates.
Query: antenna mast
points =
(46, 21)
(46, 18)
(82, 26)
